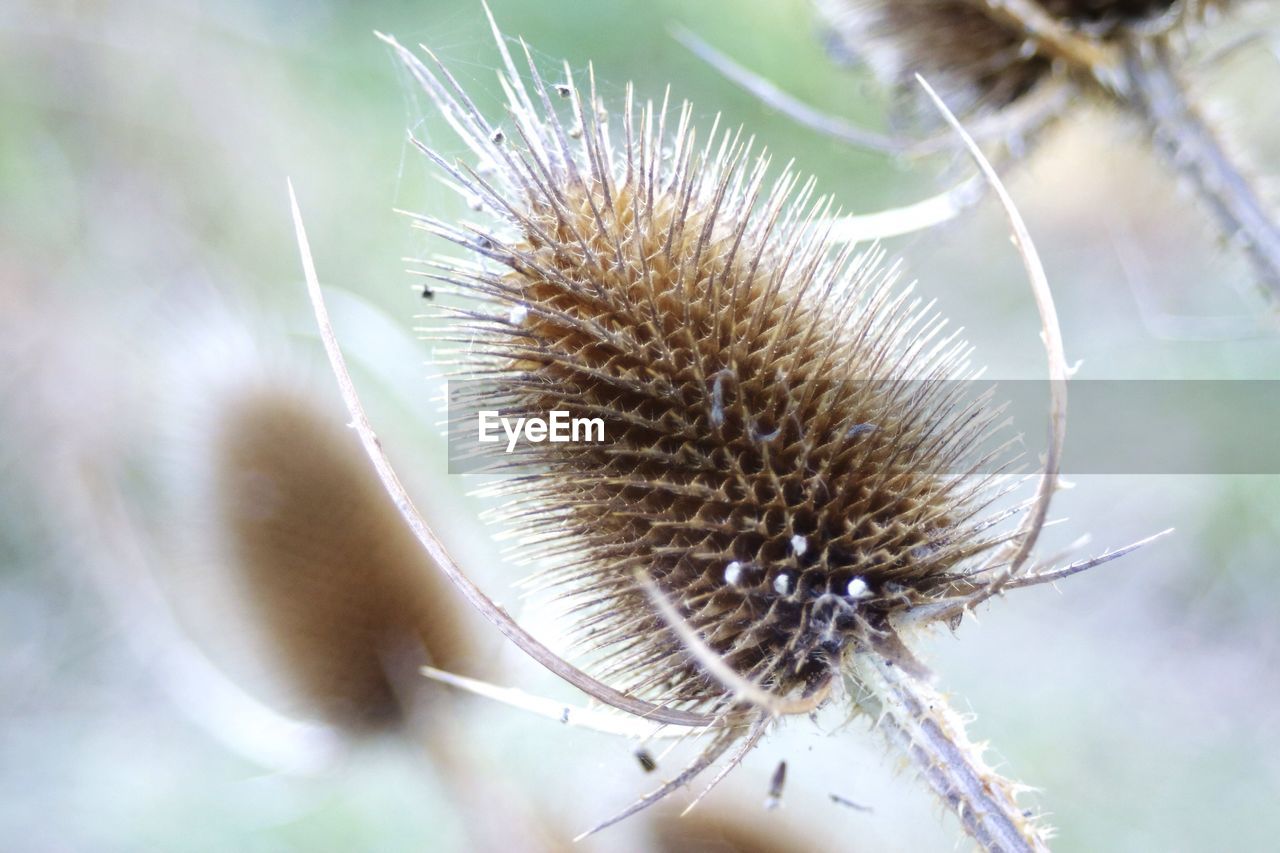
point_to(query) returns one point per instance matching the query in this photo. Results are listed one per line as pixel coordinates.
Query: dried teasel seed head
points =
(1015, 66)
(347, 600)
(736, 363)
(984, 55)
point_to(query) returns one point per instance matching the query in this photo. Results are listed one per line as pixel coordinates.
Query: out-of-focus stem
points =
(1157, 94)
(917, 721)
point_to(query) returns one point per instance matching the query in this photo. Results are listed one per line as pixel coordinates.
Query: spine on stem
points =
(918, 722)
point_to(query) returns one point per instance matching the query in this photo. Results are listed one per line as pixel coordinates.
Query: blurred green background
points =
(146, 255)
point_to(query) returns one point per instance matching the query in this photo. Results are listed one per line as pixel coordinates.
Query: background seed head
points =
(340, 587)
(977, 60)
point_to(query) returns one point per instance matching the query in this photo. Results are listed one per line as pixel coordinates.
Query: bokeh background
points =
(148, 274)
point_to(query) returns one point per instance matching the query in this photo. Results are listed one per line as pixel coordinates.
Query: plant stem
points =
(917, 721)
(1160, 99)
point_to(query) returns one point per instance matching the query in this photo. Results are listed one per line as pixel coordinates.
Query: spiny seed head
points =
(764, 464)
(980, 55)
(337, 582)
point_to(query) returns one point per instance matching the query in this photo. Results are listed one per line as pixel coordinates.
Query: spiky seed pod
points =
(767, 466)
(347, 599)
(973, 61)
(981, 55)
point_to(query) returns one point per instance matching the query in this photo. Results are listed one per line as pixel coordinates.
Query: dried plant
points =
(268, 494)
(338, 583)
(776, 515)
(1011, 68)
(350, 608)
(986, 56)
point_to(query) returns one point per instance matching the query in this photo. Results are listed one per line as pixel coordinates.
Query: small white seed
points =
(857, 589)
(782, 583)
(733, 573)
(799, 545)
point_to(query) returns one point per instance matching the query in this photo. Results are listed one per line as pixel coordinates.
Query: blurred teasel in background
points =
(268, 571)
(1013, 68)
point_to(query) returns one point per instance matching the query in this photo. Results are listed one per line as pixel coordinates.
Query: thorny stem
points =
(918, 722)
(1160, 99)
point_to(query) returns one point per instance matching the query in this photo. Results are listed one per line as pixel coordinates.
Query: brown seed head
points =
(980, 55)
(766, 466)
(340, 586)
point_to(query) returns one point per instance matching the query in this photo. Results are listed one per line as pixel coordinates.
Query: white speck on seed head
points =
(519, 313)
(799, 544)
(857, 588)
(782, 583)
(733, 573)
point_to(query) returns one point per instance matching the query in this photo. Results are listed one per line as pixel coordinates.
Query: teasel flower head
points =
(777, 464)
(1014, 67)
(347, 604)
(985, 56)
